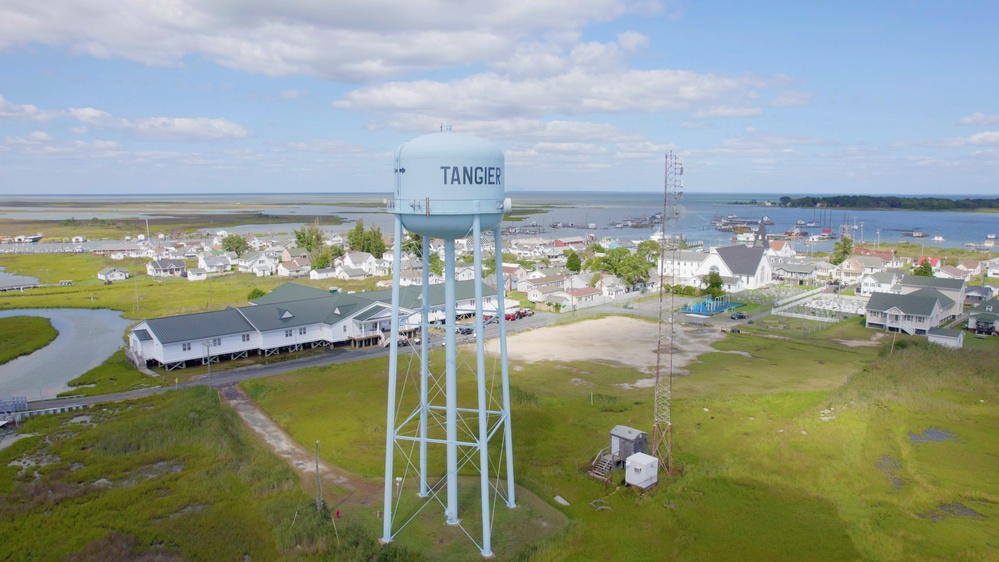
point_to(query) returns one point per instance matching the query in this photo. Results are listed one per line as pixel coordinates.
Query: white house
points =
(214, 264)
(166, 268)
(112, 274)
(296, 267)
(291, 317)
(197, 274)
(747, 265)
(257, 263)
(359, 260)
(681, 267)
(880, 282)
(323, 273)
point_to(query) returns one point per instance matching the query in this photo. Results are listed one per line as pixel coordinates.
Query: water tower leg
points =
(424, 365)
(450, 385)
(480, 367)
(511, 497)
(390, 430)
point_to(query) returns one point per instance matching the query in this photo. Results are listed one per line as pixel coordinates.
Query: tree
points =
(256, 293)
(841, 250)
(322, 257)
(633, 270)
(573, 263)
(235, 243)
(436, 265)
(649, 251)
(714, 284)
(924, 269)
(374, 244)
(413, 245)
(785, 201)
(355, 236)
(309, 237)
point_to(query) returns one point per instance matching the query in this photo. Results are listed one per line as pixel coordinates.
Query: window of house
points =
(301, 331)
(185, 347)
(216, 342)
(246, 337)
(345, 329)
(287, 333)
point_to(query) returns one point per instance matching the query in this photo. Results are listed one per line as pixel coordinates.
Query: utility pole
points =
(319, 485)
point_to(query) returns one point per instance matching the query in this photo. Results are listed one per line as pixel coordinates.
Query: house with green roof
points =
(913, 313)
(984, 317)
(293, 317)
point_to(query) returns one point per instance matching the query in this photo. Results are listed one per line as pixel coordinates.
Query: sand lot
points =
(615, 339)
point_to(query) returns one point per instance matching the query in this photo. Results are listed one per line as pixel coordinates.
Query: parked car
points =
(511, 317)
(465, 330)
(740, 316)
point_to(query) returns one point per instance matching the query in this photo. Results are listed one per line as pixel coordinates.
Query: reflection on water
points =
(86, 338)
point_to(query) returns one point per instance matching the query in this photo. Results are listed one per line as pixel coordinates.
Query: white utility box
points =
(641, 470)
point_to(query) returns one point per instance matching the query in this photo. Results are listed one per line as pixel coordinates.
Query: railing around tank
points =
(428, 206)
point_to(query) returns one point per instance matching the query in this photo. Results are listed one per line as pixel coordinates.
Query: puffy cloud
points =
(576, 91)
(25, 112)
(157, 128)
(980, 118)
(349, 40)
(986, 138)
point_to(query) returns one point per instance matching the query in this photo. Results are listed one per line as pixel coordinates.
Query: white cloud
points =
(158, 128)
(980, 118)
(348, 40)
(789, 99)
(726, 111)
(986, 138)
(186, 128)
(24, 112)
(600, 88)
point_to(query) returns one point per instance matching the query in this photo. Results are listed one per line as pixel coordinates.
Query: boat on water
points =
(938, 238)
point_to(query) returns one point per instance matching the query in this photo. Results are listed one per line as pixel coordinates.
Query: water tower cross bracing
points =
(447, 186)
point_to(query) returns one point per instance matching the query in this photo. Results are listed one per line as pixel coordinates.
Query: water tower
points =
(447, 185)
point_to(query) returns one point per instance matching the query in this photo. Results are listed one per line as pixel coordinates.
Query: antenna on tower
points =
(662, 423)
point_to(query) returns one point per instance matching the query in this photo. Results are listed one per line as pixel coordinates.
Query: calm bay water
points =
(86, 338)
(603, 210)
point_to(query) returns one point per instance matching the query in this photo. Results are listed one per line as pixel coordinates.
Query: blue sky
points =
(227, 96)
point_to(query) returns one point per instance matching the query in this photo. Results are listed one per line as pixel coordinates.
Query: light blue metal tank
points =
(443, 180)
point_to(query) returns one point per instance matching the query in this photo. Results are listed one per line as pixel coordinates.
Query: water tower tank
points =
(443, 180)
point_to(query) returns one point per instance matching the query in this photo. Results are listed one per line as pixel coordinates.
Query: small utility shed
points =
(946, 337)
(626, 441)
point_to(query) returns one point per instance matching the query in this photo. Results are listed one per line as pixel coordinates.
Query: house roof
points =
(143, 335)
(584, 292)
(795, 267)
(168, 264)
(198, 326)
(920, 281)
(944, 333)
(291, 292)
(215, 261)
(107, 270)
(953, 271)
(277, 316)
(920, 305)
(883, 277)
(870, 261)
(741, 260)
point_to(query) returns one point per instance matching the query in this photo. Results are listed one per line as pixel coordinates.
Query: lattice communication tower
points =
(662, 424)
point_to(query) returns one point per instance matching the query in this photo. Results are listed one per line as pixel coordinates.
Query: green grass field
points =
(787, 450)
(173, 477)
(142, 296)
(23, 335)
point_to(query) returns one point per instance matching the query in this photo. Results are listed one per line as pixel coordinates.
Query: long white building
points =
(290, 318)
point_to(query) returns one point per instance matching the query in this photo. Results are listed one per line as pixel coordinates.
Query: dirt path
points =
(301, 458)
